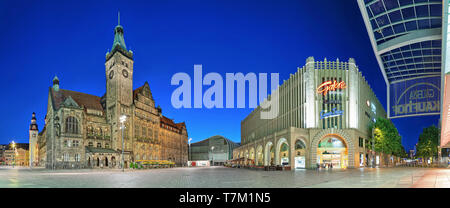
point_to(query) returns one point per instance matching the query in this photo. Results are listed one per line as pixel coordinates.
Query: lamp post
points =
(189, 153)
(14, 153)
(212, 154)
(122, 119)
(373, 147)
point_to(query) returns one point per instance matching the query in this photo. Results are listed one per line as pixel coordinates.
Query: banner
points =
(415, 97)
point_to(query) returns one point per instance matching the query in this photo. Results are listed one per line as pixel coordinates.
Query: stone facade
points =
(84, 131)
(16, 154)
(308, 115)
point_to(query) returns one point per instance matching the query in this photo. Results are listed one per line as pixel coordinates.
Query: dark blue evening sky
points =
(69, 39)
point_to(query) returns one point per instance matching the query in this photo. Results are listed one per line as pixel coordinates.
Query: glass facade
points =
(413, 60)
(390, 20)
(406, 36)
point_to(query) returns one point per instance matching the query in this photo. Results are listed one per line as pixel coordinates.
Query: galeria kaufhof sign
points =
(415, 97)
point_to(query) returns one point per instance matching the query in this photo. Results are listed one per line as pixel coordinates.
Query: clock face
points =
(125, 73)
(111, 74)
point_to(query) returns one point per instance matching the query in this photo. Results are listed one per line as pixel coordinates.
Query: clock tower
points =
(33, 141)
(119, 88)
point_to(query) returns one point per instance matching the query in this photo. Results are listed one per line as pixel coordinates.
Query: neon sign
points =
(333, 113)
(330, 86)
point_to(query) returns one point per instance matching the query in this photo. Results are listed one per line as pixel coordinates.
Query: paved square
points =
(221, 177)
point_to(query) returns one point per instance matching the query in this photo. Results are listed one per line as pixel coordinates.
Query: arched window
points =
(71, 125)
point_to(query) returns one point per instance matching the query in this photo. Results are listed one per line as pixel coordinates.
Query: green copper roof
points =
(119, 43)
(118, 37)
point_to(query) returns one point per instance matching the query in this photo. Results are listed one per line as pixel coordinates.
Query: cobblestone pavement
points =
(212, 177)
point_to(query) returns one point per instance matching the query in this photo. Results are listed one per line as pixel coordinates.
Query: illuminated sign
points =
(327, 86)
(415, 97)
(333, 113)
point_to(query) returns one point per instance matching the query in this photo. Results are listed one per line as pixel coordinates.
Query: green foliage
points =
(387, 139)
(428, 142)
(131, 165)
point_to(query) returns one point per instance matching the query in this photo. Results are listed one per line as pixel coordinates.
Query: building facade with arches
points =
(325, 110)
(84, 131)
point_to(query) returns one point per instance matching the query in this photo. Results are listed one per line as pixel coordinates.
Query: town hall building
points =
(84, 131)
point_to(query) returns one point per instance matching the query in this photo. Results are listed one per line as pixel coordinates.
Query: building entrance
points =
(332, 153)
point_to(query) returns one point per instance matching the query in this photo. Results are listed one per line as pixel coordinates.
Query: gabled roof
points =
(181, 125)
(170, 122)
(83, 100)
(142, 88)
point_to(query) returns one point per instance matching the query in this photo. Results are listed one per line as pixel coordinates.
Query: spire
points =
(119, 42)
(33, 125)
(118, 35)
(56, 83)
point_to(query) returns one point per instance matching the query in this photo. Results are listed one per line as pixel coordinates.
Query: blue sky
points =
(41, 39)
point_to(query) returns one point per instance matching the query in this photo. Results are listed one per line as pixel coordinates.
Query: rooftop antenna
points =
(119, 18)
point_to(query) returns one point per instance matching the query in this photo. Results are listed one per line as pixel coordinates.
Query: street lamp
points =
(14, 154)
(212, 154)
(122, 119)
(189, 153)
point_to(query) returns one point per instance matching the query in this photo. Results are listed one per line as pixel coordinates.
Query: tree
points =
(428, 142)
(387, 139)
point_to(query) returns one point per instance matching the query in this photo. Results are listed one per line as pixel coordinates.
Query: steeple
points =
(33, 125)
(118, 35)
(119, 42)
(55, 83)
